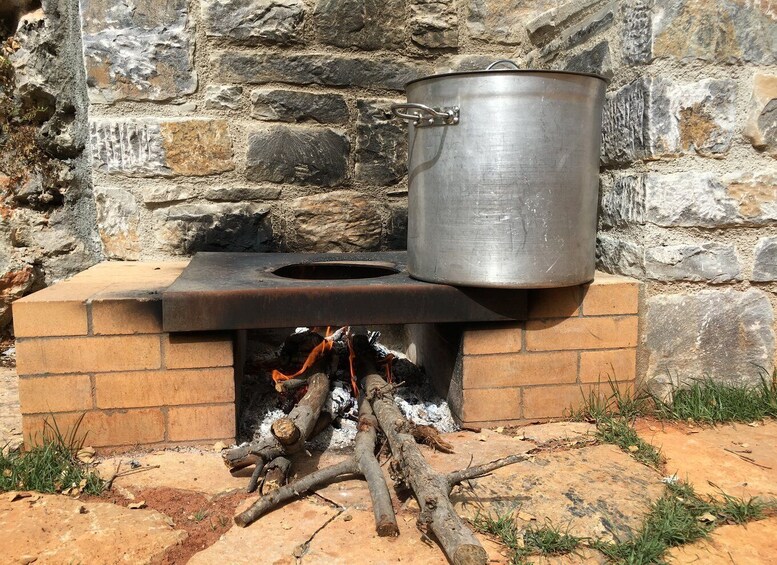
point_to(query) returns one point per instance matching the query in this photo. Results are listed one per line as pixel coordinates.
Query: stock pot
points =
(503, 176)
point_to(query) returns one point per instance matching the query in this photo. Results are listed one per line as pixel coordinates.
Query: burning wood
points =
(378, 414)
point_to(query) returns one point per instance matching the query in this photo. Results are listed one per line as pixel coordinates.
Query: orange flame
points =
(315, 354)
(351, 359)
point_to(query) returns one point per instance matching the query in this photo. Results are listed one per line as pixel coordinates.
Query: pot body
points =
(507, 196)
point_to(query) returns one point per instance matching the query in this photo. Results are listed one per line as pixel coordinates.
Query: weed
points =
(200, 515)
(616, 430)
(550, 539)
(52, 466)
(713, 402)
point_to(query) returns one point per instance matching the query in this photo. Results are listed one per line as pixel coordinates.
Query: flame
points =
(351, 359)
(388, 361)
(315, 354)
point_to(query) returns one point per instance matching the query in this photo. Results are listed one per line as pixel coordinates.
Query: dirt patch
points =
(203, 518)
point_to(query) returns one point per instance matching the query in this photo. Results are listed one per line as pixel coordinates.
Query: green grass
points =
(677, 518)
(713, 402)
(547, 539)
(618, 431)
(52, 466)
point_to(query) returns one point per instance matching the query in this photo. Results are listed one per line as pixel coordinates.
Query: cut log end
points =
(470, 555)
(387, 528)
(285, 431)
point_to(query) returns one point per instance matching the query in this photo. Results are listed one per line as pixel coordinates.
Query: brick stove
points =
(99, 345)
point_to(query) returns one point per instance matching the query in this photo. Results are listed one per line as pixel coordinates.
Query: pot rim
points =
(506, 72)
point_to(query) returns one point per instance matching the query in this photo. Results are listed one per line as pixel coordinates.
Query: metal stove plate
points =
(227, 291)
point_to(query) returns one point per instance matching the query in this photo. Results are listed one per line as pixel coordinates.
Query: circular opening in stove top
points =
(335, 270)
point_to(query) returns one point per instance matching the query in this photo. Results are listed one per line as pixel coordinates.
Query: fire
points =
(315, 354)
(351, 359)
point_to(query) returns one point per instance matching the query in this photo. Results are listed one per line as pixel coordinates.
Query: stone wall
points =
(47, 213)
(263, 125)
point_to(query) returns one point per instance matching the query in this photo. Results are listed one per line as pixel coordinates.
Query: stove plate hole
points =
(335, 270)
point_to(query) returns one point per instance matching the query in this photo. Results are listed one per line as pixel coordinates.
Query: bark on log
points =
(431, 489)
(292, 431)
(364, 453)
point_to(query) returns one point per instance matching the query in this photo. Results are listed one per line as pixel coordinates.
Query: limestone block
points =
(137, 50)
(118, 222)
(721, 32)
(637, 31)
(596, 60)
(381, 144)
(305, 156)
(343, 220)
(548, 25)
(223, 97)
(326, 70)
(754, 195)
(761, 127)
(151, 147)
(297, 106)
(255, 21)
(765, 262)
(434, 23)
(503, 21)
(653, 118)
(592, 25)
(617, 254)
(720, 334)
(366, 24)
(188, 228)
(709, 262)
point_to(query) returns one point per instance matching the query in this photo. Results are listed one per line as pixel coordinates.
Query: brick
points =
(55, 394)
(581, 333)
(554, 302)
(164, 388)
(37, 318)
(126, 316)
(102, 429)
(490, 371)
(603, 366)
(502, 338)
(198, 350)
(87, 354)
(491, 404)
(190, 423)
(610, 298)
(552, 401)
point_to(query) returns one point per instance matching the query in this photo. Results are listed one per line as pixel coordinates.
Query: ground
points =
(176, 506)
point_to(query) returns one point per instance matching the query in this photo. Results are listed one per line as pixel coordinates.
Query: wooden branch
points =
(289, 385)
(292, 431)
(457, 477)
(275, 475)
(364, 454)
(431, 489)
(294, 490)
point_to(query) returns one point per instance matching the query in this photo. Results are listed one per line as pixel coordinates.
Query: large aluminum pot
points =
(503, 177)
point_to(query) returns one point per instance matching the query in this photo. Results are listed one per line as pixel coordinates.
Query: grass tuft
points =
(52, 466)
(713, 402)
(550, 539)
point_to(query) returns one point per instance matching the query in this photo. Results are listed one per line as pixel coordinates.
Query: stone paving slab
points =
(752, 544)
(59, 529)
(700, 456)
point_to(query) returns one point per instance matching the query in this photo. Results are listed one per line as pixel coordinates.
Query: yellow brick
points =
(519, 369)
(553, 401)
(37, 318)
(581, 333)
(503, 338)
(164, 388)
(42, 395)
(490, 404)
(126, 316)
(609, 365)
(554, 302)
(102, 429)
(190, 423)
(198, 350)
(87, 354)
(610, 299)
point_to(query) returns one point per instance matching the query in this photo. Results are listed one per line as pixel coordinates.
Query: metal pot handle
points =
(502, 62)
(423, 116)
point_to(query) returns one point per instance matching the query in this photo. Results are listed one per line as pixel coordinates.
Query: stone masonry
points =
(264, 126)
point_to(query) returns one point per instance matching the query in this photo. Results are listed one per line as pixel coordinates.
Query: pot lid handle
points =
(502, 62)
